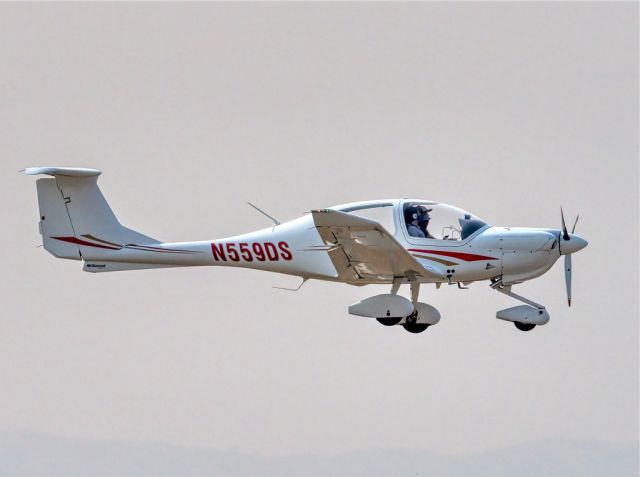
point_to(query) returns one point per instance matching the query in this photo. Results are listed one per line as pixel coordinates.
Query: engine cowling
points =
(382, 306)
(524, 314)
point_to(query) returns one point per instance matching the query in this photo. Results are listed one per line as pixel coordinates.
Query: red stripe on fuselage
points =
(83, 242)
(468, 257)
(147, 248)
(141, 248)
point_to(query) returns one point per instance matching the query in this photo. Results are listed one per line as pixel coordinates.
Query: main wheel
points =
(524, 326)
(412, 318)
(389, 321)
(415, 327)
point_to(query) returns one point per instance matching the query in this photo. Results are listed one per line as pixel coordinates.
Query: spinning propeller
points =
(567, 248)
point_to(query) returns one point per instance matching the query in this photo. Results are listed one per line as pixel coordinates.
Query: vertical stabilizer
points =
(75, 219)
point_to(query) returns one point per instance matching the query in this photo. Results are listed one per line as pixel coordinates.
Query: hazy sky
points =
(508, 110)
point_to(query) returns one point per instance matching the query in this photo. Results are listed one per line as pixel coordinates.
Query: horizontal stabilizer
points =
(62, 171)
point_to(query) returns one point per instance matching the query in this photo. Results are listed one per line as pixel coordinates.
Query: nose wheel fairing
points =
(524, 317)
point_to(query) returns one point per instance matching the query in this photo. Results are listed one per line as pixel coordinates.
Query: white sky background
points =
(507, 110)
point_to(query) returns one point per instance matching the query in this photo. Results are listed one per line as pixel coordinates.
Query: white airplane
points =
(395, 242)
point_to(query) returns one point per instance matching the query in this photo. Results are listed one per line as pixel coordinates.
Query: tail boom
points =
(77, 223)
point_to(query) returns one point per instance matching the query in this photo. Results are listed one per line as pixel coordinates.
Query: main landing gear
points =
(411, 324)
(391, 321)
(391, 309)
(524, 326)
(422, 317)
(415, 327)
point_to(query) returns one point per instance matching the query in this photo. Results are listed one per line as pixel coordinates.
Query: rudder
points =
(54, 221)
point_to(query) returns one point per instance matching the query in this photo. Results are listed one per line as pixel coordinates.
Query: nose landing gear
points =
(524, 317)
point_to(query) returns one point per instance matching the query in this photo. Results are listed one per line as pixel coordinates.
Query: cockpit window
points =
(468, 225)
(381, 213)
(428, 220)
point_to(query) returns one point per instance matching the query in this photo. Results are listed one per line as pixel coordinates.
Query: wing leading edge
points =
(362, 250)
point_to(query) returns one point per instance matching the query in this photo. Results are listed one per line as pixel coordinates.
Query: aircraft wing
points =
(361, 249)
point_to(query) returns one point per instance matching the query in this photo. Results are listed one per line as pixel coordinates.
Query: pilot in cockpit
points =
(411, 217)
(423, 221)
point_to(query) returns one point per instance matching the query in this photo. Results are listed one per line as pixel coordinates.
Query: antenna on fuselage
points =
(304, 280)
(275, 222)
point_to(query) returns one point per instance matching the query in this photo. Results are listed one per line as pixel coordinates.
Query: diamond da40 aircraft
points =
(395, 242)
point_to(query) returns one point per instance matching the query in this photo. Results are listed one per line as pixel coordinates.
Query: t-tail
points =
(77, 223)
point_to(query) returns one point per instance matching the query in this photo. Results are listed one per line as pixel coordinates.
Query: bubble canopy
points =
(438, 221)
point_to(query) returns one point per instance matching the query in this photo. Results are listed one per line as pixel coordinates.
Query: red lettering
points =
(257, 250)
(218, 252)
(284, 250)
(272, 253)
(246, 253)
(233, 253)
